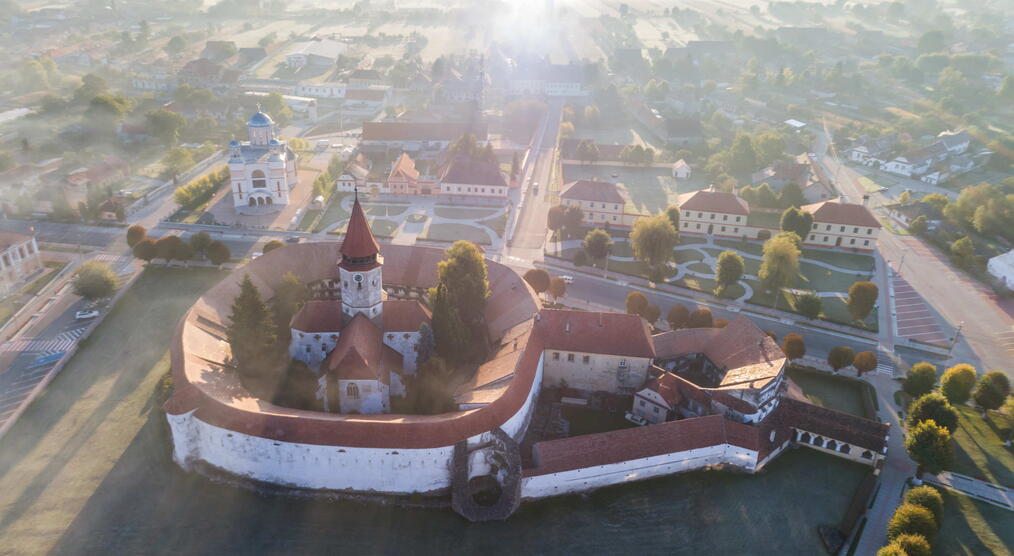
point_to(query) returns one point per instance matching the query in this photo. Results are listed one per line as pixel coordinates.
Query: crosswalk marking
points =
(61, 342)
(885, 369)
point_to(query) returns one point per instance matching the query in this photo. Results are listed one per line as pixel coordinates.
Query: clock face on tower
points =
(357, 277)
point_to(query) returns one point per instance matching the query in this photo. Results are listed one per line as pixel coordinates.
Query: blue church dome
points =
(274, 143)
(260, 119)
(234, 143)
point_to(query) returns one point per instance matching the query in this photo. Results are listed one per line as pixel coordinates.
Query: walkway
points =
(915, 319)
(980, 490)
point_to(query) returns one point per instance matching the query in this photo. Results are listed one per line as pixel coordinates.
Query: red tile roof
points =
(605, 448)
(359, 241)
(849, 214)
(318, 316)
(713, 201)
(667, 387)
(593, 190)
(838, 425)
(375, 95)
(404, 167)
(588, 332)
(468, 171)
(361, 354)
(404, 315)
(422, 131)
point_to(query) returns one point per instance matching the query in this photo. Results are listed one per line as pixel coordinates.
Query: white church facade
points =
(262, 170)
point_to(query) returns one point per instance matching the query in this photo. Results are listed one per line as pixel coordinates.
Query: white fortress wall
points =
(590, 478)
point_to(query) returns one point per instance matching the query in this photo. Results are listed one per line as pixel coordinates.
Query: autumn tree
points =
(793, 346)
(251, 331)
(653, 239)
(538, 279)
(135, 234)
(864, 362)
(920, 379)
(840, 357)
(94, 280)
(700, 318)
(145, 250)
(652, 313)
(933, 406)
(167, 246)
(636, 303)
(957, 382)
(555, 219)
(677, 316)
(862, 298)
(218, 253)
(557, 287)
(730, 268)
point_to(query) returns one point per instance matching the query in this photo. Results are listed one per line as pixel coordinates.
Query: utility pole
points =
(954, 340)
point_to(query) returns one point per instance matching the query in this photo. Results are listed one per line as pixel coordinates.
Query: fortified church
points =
(362, 343)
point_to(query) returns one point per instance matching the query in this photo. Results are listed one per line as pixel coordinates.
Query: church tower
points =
(359, 269)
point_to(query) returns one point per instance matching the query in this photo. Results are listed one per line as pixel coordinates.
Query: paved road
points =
(531, 230)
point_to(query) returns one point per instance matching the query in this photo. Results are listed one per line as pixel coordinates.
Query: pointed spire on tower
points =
(359, 246)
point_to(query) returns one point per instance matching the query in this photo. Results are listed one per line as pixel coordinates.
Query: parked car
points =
(293, 239)
(85, 315)
(568, 278)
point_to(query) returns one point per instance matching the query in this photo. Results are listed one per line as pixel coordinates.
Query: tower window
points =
(352, 391)
(258, 179)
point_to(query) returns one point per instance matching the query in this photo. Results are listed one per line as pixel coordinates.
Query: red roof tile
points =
(713, 201)
(838, 425)
(359, 241)
(849, 214)
(422, 131)
(593, 190)
(667, 387)
(468, 171)
(589, 332)
(361, 354)
(318, 316)
(404, 315)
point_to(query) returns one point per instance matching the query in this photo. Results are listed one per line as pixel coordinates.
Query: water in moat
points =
(147, 505)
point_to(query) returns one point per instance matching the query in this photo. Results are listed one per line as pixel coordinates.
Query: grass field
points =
(454, 232)
(463, 213)
(971, 527)
(978, 447)
(832, 392)
(68, 443)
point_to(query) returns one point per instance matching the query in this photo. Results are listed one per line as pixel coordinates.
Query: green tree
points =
(677, 316)
(919, 225)
(164, 125)
(780, 266)
(797, 221)
(177, 161)
(963, 251)
(463, 271)
(271, 246)
(765, 197)
(932, 41)
(929, 445)
(957, 382)
(673, 214)
(555, 219)
(653, 239)
(538, 279)
(145, 250)
(793, 346)
(892, 550)
(572, 217)
(218, 253)
(700, 318)
(636, 303)
(933, 406)
(809, 305)
(742, 156)
(927, 497)
(862, 298)
(598, 244)
(992, 389)
(840, 357)
(920, 379)
(94, 280)
(730, 268)
(175, 45)
(290, 295)
(135, 234)
(864, 362)
(200, 242)
(769, 148)
(792, 195)
(251, 331)
(913, 545)
(426, 345)
(452, 339)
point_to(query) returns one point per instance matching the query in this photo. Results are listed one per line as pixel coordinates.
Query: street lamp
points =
(902, 263)
(954, 340)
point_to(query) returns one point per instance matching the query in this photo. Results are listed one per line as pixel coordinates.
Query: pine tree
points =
(426, 345)
(251, 331)
(452, 341)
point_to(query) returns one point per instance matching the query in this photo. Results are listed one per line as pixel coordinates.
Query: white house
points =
(681, 170)
(1001, 267)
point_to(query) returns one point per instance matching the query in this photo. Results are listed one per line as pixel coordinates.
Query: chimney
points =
(866, 199)
(566, 327)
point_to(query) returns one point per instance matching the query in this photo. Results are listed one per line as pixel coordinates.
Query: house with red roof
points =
(714, 213)
(404, 178)
(603, 204)
(844, 225)
(470, 178)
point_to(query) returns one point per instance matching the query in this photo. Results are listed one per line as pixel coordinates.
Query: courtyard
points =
(651, 188)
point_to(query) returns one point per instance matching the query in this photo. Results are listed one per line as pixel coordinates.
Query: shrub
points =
(864, 362)
(929, 445)
(700, 318)
(677, 316)
(933, 406)
(921, 379)
(929, 498)
(840, 357)
(914, 545)
(272, 245)
(892, 550)
(910, 519)
(957, 383)
(992, 390)
(793, 346)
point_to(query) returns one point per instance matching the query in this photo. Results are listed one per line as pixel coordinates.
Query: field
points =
(971, 527)
(978, 447)
(829, 391)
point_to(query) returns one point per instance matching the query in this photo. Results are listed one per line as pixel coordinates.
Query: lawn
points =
(765, 219)
(334, 213)
(703, 268)
(454, 232)
(650, 189)
(85, 428)
(825, 390)
(739, 245)
(384, 210)
(497, 223)
(979, 450)
(852, 261)
(971, 527)
(590, 421)
(463, 213)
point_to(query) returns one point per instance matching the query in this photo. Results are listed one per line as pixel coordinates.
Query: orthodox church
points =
(362, 344)
(263, 169)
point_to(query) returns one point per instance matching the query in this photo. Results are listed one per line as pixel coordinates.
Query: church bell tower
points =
(359, 269)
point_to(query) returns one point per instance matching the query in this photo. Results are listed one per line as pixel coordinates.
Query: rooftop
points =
(593, 332)
(707, 200)
(593, 190)
(834, 212)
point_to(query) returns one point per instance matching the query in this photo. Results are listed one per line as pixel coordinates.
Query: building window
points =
(737, 218)
(852, 241)
(869, 231)
(866, 243)
(623, 362)
(642, 403)
(825, 239)
(698, 225)
(827, 228)
(586, 359)
(686, 213)
(570, 357)
(700, 215)
(258, 179)
(855, 230)
(725, 217)
(352, 390)
(556, 356)
(842, 229)
(811, 237)
(307, 349)
(712, 216)
(723, 228)
(654, 410)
